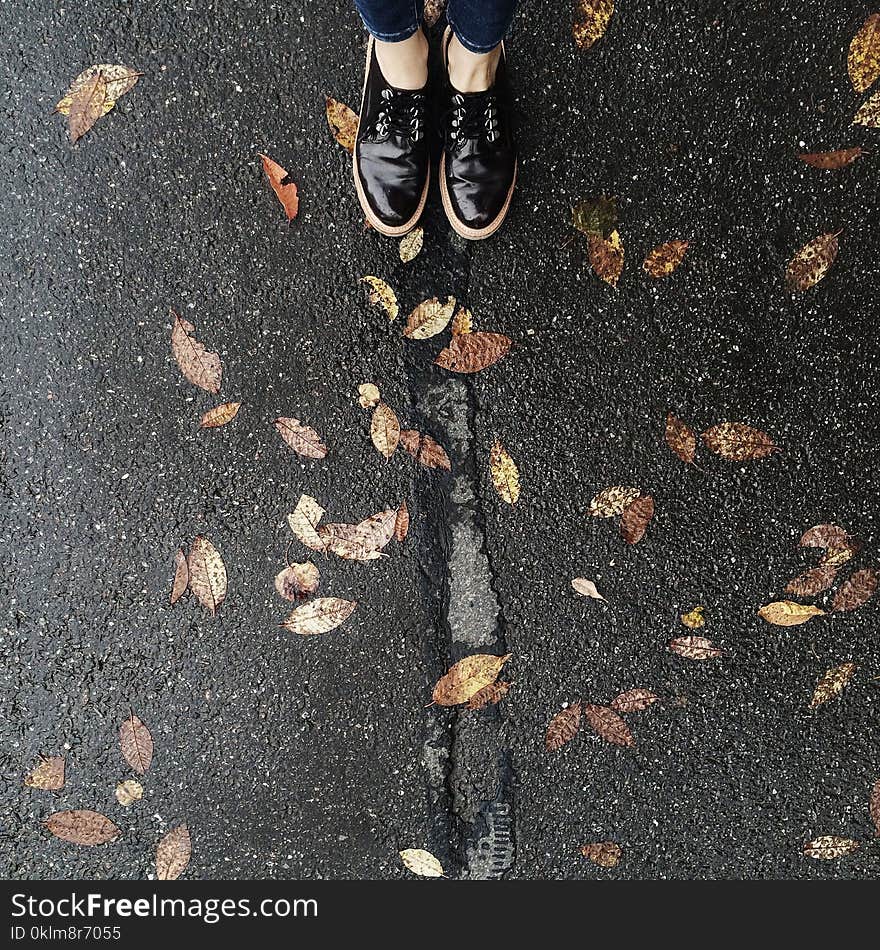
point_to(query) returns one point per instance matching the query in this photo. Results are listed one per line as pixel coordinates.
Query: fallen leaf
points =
(380, 293)
(606, 723)
(129, 792)
(863, 61)
(297, 581)
(411, 244)
(343, 123)
(87, 105)
(738, 442)
(856, 590)
(207, 574)
(633, 700)
(377, 530)
(606, 257)
(346, 541)
(319, 616)
(472, 352)
(664, 258)
(837, 557)
(47, 775)
(401, 523)
(869, 113)
(874, 806)
(462, 322)
(220, 415)
(591, 21)
(811, 263)
(286, 194)
(303, 521)
(824, 536)
(787, 613)
(831, 161)
(467, 677)
(563, 727)
(636, 517)
(681, 438)
(612, 500)
(136, 744)
(301, 438)
(831, 683)
(604, 853)
(429, 318)
(694, 618)
(173, 853)
(181, 577)
(433, 11)
(200, 366)
(595, 217)
(586, 588)
(812, 581)
(118, 79)
(694, 648)
(505, 475)
(489, 695)
(425, 450)
(82, 826)
(385, 429)
(829, 847)
(421, 862)
(368, 395)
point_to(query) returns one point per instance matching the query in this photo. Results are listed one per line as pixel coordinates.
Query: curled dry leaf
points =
(200, 366)
(467, 677)
(421, 862)
(664, 258)
(812, 581)
(401, 522)
(831, 161)
(82, 826)
(425, 450)
(636, 517)
(286, 193)
(563, 727)
(788, 613)
(136, 744)
(118, 79)
(604, 853)
(297, 581)
(694, 618)
(472, 352)
(220, 415)
(591, 21)
(869, 113)
(595, 217)
(429, 318)
(505, 475)
(87, 105)
(462, 322)
(606, 723)
(856, 590)
(811, 263)
(301, 438)
(681, 438)
(47, 774)
(633, 700)
(738, 442)
(411, 244)
(368, 395)
(207, 574)
(694, 648)
(129, 792)
(319, 616)
(831, 683)
(612, 500)
(863, 61)
(303, 521)
(489, 695)
(343, 123)
(181, 577)
(874, 805)
(173, 853)
(385, 429)
(381, 294)
(586, 588)
(824, 536)
(829, 847)
(606, 257)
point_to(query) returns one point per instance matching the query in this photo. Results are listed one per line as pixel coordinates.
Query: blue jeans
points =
(480, 25)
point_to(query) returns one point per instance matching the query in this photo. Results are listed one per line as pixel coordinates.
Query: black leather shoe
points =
(391, 154)
(478, 167)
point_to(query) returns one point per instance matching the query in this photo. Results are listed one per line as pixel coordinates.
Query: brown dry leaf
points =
(831, 683)
(829, 847)
(604, 853)
(380, 293)
(385, 429)
(869, 113)
(606, 723)
(368, 395)
(173, 853)
(874, 805)
(129, 792)
(787, 613)
(563, 727)
(856, 590)
(433, 11)
(462, 322)
(401, 523)
(831, 161)
(664, 258)
(347, 541)
(425, 450)
(694, 648)
(612, 500)
(489, 695)
(47, 775)
(119, 81)
(591, 21)
(636, 517)
(82, 826)
(421, 862)
(863, 61)
(467, 677)
(837, 557)
(181, 577)
(472, 352)
(136, 744)
(200, 366)
(88, 103)
(606, 257)
(303, 521)
(633, 700)
(694, 618)
(343, 123)
(319, 616)
(220, 415)
(824, 536)
(285, 193)
(207, 574)
(738, 442)
(812, 581)
(811, 263)
(297, 581)
(681, 438)
(411, 244)
(301, 438)
(429, 318)
(505, 475)
(377, 530)
(586, 588)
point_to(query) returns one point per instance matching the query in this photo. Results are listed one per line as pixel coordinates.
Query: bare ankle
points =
(471, 72)
(404, 64)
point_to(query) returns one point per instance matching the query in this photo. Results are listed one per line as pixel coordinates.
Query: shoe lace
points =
(402, 111)
(473, 116)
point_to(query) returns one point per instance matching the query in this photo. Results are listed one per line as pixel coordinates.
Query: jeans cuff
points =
(469, 44)
(397, 37)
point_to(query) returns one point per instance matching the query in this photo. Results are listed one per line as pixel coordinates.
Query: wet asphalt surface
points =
(314, 757)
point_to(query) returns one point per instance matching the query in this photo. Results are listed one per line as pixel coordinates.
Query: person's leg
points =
(478, 27)
(401, 46)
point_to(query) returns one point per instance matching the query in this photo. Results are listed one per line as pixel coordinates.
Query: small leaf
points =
(472, 352)
(586, 588)
(681, 438)
(863, 61)
(824, 536)
(787, 613)
(738, 442)
(301, 438)
(200, 366)
(606, 257)
(591, 21)
(368, 395)
(385, 429)
(595, 217)
(173, 853)
(47, 775)
(421, 862)
(319, 616)
(606, 723)
(812, 581)
(207, 574)
(829, 847)
(694, 648)
(665, 258)
(563, 727)
(811, 263)
(297, 581)
(467, 677)
(220, 415)
(462, 322)
(869, 113)
(383, 295)
(181, 577)
(82, 827)
(303, 521)
(285, 193)
(831, 683)
(425, 450)
(129, 792)
(611, 501)
(604, 853)
(136, 744)
(429, 318)
(119, 80)
(505, 475)
(837, 557)
(411, 245)
(488, 695)
(694, 618)
(87, 104)
(636, 517)
(858, 589)
(633, 700)
(832, 161)
(401, 523)
(347, 541)
(343, 123)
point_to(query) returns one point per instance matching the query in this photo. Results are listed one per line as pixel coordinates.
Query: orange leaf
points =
(286, 194)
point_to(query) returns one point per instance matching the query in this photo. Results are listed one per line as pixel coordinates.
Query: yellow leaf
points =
(118, 79)
(606, 256)
(220, 415)
(591, 21)
(869, 113)
(505, 476)
(664, 258)
(429, 318)
(385, 429)
(693, 618)
(467, 677)
(462, 322)
(831, 683)
(47, 775)
(381, 293)
(812, 262)
(368, 395)
(787, 613)
(129, 792)
(864, 54)
(829, 847)
(303, 521)
(343, 123)
(411, 244)
(421, 862)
